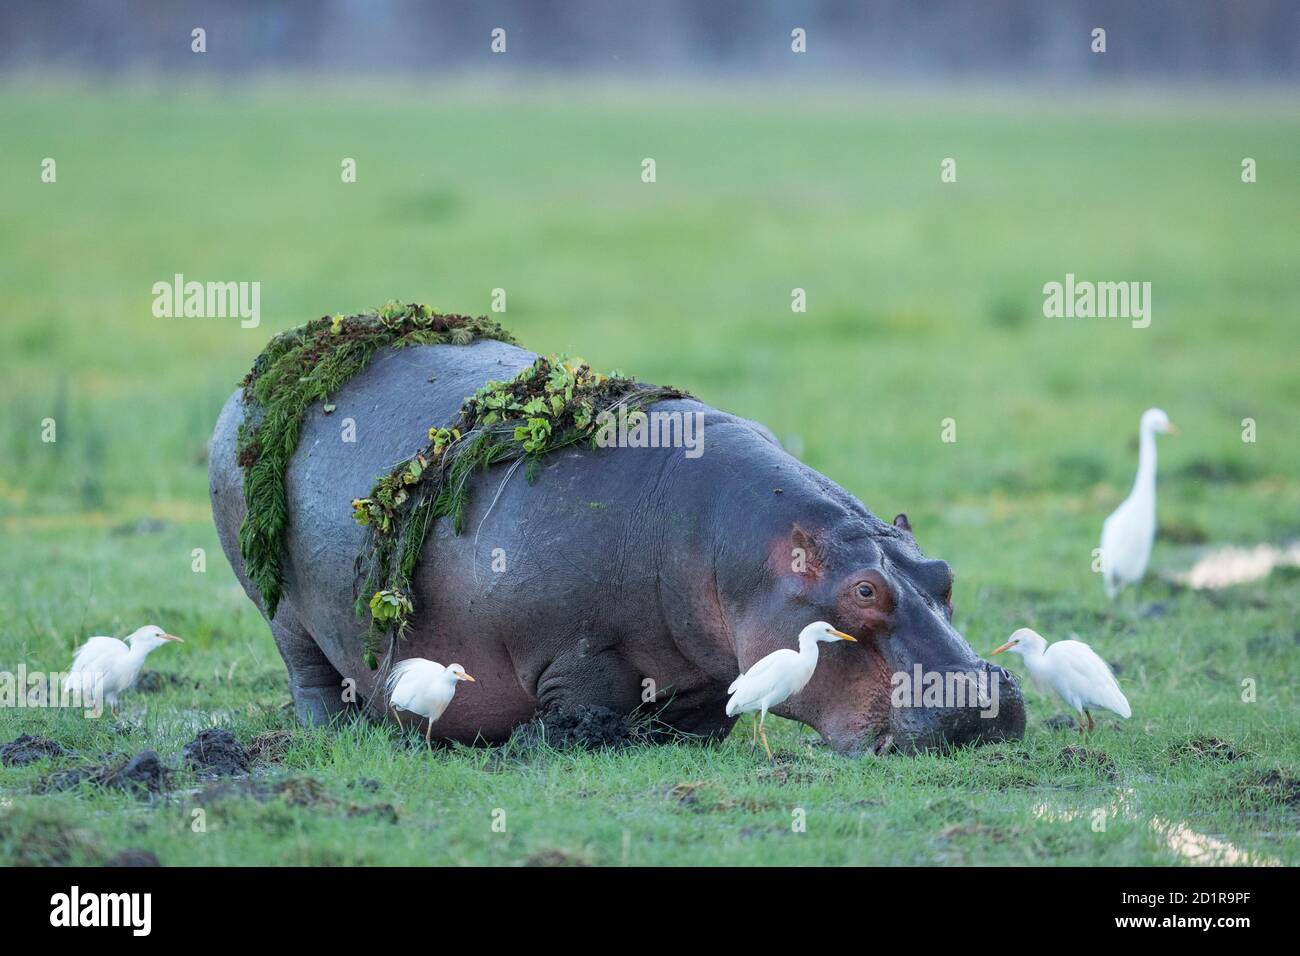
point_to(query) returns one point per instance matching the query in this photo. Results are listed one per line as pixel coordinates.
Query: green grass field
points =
(924, 303)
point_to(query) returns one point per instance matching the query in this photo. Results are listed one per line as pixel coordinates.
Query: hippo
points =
(623, 578)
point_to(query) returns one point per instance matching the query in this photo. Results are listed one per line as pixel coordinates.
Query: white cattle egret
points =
(116, 662)
(1073, 670)
(778, 676)
(423, 687)
(1127, 534)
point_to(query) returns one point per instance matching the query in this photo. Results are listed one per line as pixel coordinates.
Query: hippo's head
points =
(911, 681)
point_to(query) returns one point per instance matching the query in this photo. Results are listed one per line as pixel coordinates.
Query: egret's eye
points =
(866, 591)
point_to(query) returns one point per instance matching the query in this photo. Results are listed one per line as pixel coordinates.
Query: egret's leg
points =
(763, 733)
(1090, 724)
(428, 732)
(1081, 724)
(398, 715)
(753, 743)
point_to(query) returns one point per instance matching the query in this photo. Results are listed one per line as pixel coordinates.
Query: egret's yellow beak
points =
(1173, 429)
(844, 637)
(465, 677)
(1004, 647)
(172, 637)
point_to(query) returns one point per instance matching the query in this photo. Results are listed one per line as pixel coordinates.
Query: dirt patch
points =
(1081, 758)
(270, 747)
(581, 728)
(1004, 755)
(975, 831)
(294, 791)
(687, 793)
(1281, 785)
(785, 769)
(556, 857)
(1227, 471)
(132, 858)
(144, 775)
(216, 752)
(27, 749)
(1204, 748)
(40, 840)
(383, 812)
(1061, 722)
(153, 682)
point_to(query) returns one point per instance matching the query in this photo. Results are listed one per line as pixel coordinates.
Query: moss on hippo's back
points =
(553, 403)
(309, 364)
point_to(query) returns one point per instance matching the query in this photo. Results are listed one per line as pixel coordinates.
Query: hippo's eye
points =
(866, 591)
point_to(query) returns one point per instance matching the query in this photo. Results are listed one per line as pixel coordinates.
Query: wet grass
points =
(924, 304)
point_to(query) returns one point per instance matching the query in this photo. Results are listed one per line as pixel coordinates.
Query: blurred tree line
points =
(912, 40)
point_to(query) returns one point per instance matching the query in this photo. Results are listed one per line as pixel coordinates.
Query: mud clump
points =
(143, 775)
(582, 728)
(27, 749)
(1081, 758)
(133, 858)
(144, 771)
(1205, 748)
(216, 752)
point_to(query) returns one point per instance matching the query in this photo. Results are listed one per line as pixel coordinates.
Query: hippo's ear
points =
(805, 552)
(900, 521)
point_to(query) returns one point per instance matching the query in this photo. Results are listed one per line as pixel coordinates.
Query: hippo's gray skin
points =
(621, 564)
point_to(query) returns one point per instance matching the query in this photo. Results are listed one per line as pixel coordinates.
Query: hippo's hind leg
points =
(316, 686)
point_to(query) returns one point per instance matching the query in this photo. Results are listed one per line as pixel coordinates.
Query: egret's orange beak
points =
(844, 637)
(1173, 429)
(465, 677)
(172, 637)
(1004, 647)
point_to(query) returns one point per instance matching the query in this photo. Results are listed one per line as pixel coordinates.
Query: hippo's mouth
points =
(988, 707)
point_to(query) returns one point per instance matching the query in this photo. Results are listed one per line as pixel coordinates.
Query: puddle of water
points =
(1204, 849)
(1231, 565)
(1182, 840)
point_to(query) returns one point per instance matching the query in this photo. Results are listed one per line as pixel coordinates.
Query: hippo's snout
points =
(970, 703)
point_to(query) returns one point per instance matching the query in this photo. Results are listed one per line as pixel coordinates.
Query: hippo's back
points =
(380, 418)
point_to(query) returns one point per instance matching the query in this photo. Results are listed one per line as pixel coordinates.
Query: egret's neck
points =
(139, 652)
(1032, 656)
(1146, 476)
(808, 649)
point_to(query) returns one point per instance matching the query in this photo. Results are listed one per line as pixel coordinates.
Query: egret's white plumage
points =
(116, 663)
(1070, 669)
(423, 687)
(779, 676)
(1126, 536)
